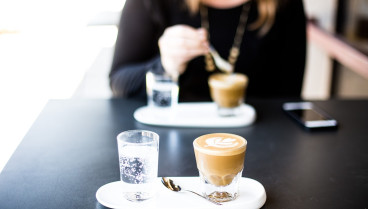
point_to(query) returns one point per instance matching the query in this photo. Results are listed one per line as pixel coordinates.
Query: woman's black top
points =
(274, 62)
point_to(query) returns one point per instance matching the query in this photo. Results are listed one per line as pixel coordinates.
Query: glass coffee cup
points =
(228, 92)
(220, 161)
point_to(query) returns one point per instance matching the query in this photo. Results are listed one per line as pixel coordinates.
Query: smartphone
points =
(309, 115)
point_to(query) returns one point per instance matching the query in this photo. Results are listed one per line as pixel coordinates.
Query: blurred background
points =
(53, 49)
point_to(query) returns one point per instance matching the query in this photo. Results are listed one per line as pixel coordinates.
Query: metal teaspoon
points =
(222, 64)
(168, 183)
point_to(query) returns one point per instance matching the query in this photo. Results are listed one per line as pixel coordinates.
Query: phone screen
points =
(308, 115)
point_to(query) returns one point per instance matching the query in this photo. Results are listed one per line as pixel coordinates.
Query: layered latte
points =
(228, 90)
(220, 157)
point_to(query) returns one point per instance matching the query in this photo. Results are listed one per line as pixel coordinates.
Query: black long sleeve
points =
(274, 63)
(136, 50)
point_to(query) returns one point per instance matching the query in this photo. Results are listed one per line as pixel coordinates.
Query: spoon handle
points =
(214, 202)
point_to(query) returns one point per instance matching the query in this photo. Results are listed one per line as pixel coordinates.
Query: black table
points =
(70, 151)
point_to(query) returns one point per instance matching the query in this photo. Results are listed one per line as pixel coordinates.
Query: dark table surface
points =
(70, 151)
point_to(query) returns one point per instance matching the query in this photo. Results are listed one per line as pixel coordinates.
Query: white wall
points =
(317, 78)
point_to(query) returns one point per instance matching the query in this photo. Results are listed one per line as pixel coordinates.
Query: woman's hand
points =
(178, 45)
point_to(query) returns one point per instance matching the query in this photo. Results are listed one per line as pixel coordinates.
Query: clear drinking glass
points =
(138, 160)
(162, 90)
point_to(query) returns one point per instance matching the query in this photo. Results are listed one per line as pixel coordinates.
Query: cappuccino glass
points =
(220, 161)
(228, 92)
(138, 160)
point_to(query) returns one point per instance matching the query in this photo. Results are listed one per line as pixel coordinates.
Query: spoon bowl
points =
(222, 64)
(168, 183)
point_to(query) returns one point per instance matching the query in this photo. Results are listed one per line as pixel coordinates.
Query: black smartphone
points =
(309, 115)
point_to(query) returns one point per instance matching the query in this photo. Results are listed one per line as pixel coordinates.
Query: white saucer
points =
(252, 195)
(195, 114)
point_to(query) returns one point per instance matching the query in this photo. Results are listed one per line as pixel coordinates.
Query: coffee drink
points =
(220, 157)
(220, 161)
(228, 90)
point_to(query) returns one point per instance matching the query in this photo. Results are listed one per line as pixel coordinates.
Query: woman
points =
(268, 37)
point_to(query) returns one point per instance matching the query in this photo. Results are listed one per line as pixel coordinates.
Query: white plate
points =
(196, 114)
(252, 195)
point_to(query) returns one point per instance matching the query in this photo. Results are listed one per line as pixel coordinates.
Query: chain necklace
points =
(235, 49)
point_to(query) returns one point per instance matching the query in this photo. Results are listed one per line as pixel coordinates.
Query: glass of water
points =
(162, 90)
(138, 160)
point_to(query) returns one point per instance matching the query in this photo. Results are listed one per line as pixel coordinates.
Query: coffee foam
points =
(221, 80)
(221, 144)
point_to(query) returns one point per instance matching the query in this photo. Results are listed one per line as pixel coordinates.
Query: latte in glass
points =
(228, 91)
(220, 161)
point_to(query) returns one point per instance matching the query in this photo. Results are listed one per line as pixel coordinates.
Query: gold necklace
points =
(235, 49)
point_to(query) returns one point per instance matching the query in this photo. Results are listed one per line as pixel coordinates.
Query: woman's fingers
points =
(186, 32)
(179, 44)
